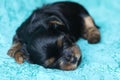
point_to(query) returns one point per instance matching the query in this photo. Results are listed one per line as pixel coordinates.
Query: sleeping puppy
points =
(48, 36)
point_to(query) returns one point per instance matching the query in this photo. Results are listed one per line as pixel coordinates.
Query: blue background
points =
(99, 62)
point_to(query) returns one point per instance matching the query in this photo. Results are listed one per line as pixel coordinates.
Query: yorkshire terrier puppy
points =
(48, 36)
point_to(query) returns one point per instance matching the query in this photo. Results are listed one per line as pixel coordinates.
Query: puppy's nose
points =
(73, 60)
(68, 57)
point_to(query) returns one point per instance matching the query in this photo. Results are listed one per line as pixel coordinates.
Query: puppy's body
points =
(69, 14)
(50, 34)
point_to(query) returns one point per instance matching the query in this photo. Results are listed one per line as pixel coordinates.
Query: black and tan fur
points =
(48, 36)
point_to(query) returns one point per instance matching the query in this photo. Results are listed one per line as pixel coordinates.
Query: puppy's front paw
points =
(11, 52)
(19, 57)
(93, 35)
(14, 48)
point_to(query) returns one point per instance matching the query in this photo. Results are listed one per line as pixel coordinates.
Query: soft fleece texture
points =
(99, 62)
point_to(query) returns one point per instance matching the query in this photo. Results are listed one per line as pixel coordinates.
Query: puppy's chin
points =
(67, 65)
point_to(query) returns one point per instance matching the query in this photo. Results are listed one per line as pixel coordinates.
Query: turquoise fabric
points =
(99, 62)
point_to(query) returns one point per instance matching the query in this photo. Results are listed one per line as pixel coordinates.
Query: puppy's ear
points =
(55, 21)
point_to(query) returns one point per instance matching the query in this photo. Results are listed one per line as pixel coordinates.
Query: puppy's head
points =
(70, 54)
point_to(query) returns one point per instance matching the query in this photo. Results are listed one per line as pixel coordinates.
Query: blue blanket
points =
(99, 62)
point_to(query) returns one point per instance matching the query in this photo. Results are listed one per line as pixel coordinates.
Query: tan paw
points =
(19, 57)
(14, 48)
(93, 35)
(11, 52)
